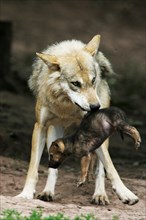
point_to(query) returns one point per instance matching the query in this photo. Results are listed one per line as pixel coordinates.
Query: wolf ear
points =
(93, 45)
(105, 65)
(50, 60)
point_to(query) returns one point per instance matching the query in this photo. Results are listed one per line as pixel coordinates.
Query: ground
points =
(69, 199)
(16, 126)
(36, 24)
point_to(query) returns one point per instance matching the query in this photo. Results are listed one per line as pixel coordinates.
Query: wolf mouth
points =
(83, 109)
(91, 108)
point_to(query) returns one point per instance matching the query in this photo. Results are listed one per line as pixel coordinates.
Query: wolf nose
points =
(94, 107)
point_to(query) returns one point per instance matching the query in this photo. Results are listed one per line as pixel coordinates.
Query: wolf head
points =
(73, 73)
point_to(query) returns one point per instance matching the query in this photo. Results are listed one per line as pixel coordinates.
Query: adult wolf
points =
(67, 82)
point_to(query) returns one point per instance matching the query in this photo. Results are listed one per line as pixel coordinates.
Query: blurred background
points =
(28, 26)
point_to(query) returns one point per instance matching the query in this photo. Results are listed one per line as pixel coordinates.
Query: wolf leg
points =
(85, 163)
(91, 173)
(100, 197)
(38, 143)
(121, 190)
(48, 192)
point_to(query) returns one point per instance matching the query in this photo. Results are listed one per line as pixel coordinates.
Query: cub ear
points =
(50, 60)
(93, 45)
(59, 144)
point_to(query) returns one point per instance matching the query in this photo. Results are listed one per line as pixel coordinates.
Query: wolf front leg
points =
(100, 197)
(121, 190)
(38, 143)
(49, 190)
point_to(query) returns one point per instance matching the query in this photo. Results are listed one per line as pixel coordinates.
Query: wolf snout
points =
(83, 109)
(89, 108)
(94, 106)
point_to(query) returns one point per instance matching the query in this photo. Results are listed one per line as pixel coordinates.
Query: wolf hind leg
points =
(85, 163)
(91, 172)
(48, 193)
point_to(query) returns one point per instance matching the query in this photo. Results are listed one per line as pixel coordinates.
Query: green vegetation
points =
(38, 215)
(115, 218)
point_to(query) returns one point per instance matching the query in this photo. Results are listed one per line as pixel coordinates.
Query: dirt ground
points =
(16, 119)
(35, 25)
(69, 199)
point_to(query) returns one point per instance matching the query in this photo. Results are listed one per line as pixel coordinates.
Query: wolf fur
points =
(94, 129)
(67, 82)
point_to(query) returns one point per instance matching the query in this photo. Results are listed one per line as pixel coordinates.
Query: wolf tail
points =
(125, 128)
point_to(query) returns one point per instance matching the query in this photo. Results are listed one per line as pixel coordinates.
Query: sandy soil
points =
(69, 199)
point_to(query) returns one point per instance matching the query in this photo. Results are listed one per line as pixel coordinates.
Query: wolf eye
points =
(93, 80)
(76, 83)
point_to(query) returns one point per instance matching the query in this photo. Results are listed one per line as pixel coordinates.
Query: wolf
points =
(67, 82)
(94, 129)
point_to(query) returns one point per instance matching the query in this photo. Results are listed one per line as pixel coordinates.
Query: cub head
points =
(57, 153)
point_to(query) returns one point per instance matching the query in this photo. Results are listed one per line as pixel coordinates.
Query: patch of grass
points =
(38, 215)
(85, 217)
(115, 217)
(10, 215)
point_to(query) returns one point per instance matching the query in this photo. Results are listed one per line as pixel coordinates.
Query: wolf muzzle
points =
(92, 107)
(95, 107)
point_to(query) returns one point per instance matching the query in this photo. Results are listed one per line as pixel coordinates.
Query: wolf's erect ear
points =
(50, 60)
(93, 45)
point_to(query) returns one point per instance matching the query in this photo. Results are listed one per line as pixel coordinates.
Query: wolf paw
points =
(80, 183)
(25, 195)
(100, 199)
(126, 196)
(45, 196)
(130, 201)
